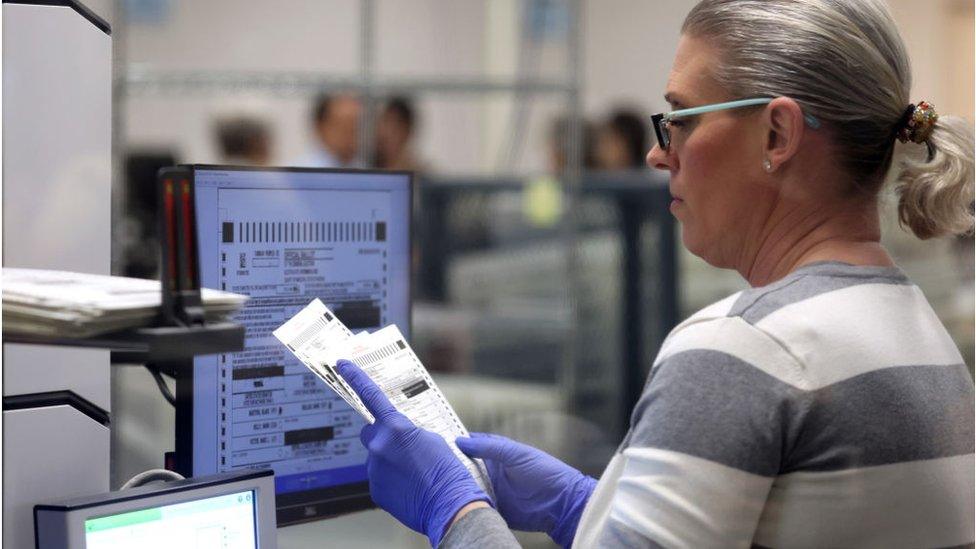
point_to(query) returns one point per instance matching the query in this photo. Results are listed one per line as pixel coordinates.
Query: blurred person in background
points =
(825, 406)
(243, 140)
(621, 141)
(335, 125)
(395, 132)
(559, 146)
(394, 150)
(542, 196)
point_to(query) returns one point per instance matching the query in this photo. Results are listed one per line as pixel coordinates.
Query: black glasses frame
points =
(662, 133)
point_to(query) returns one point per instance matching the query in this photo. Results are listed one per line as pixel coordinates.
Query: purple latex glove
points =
(533, 490)
(413, 473)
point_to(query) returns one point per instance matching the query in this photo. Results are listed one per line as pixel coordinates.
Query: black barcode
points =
(375, 356)
(308, 332)
(305, 231)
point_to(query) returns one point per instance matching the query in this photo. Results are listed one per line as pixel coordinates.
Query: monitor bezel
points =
(67, 518)
(306, 506)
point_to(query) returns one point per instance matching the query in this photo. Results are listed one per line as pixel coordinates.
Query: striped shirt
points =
(828, 409)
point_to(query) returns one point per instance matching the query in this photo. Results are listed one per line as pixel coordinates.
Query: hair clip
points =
(917, 123)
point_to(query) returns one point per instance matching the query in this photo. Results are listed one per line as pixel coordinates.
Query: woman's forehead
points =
(690, 82)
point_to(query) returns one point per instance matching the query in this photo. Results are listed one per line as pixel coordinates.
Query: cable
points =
(152, 475)
(161, 383)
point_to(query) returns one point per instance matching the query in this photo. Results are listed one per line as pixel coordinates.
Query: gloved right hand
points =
(413, 474)
(533, 490)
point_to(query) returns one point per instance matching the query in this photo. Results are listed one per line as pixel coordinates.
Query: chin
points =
(692, 242)
(698, 245)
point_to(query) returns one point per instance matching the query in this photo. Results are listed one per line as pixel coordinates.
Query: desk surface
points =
(363, 530)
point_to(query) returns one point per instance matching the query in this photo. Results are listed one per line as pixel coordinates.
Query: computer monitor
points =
(225, 510)
(285, 237)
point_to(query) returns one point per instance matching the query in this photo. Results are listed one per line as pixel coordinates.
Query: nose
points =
(658, 158)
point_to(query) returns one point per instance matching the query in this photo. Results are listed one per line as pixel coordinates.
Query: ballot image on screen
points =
(284, 238)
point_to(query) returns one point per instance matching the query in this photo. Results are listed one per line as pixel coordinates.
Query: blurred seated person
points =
(335, 123)
(395, 130)
(621, 141)
(542, 197)
(559, 146)
(243, 140)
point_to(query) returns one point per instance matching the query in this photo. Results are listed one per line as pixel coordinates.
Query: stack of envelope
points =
(67, 304)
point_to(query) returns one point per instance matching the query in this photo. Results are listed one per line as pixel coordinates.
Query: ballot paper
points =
(309, 335)
(319, 340)
(44, 302)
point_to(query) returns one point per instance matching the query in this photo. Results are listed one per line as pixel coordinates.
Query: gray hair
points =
(845, 63)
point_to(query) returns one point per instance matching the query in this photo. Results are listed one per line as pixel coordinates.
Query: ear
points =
(784, 125)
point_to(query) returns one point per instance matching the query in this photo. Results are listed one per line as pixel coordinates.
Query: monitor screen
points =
(219, 521)
(235, 509)
(285, 237)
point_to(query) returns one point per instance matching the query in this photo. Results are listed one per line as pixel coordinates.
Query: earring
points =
(767, 165)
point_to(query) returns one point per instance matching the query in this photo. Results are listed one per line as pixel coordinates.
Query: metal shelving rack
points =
(130, 81)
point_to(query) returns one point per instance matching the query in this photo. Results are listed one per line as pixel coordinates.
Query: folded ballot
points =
(319, 339)
(69, 304)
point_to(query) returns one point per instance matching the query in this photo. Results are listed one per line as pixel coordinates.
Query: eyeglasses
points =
(662, 121)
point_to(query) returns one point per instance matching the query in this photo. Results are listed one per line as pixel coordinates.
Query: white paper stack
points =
(67, 304)
(319, 339)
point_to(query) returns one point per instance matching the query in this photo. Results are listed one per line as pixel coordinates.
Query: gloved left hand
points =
(535, 491)
(413, 474)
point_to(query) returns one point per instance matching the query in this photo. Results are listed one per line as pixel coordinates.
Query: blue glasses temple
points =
(810, 120)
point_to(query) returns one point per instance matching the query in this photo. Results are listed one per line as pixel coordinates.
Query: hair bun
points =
(917, 123)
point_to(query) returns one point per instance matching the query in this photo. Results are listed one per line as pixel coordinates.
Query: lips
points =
(676, 202)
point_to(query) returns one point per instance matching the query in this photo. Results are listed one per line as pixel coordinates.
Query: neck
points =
(795, 235)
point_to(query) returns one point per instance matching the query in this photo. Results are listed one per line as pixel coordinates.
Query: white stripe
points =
(682, 501)
(915, 504)
(855, 330)
(715, 310)
(918, 504)
(597, 509)
(736, 337)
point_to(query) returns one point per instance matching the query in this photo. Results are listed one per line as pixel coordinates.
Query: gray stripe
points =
(482, 527)
(634, 415)
(715, 406)
(810, 281)
(899, 414)
(617, 534)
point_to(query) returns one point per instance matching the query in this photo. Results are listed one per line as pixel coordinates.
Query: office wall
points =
(419, 38)
(939, 38)
(628, 47)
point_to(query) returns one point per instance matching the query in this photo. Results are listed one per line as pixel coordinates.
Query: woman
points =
(824, 407)
(395, 132)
